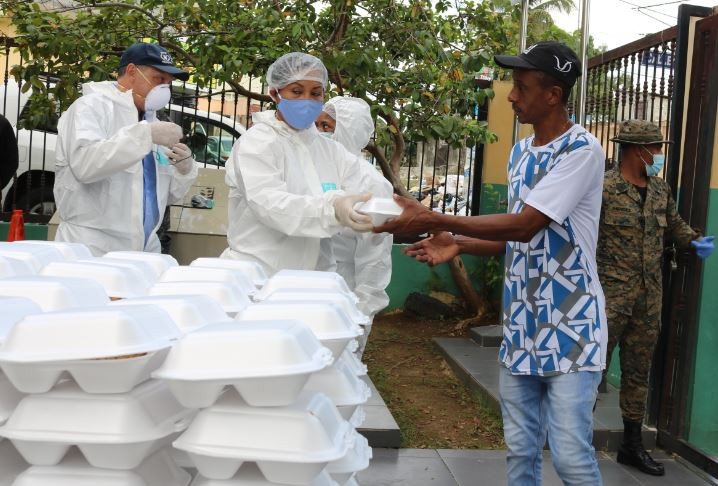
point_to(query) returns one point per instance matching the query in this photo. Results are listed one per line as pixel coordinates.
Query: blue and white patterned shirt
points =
(554, 309)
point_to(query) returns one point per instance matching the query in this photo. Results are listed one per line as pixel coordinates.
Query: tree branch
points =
(127, 6)
(399, 145)
(390, 175)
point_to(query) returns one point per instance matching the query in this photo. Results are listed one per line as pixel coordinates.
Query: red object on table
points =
(17, 226)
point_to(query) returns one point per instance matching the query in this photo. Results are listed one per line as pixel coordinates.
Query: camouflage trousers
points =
(637, 335)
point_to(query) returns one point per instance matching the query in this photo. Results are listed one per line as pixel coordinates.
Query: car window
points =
(203, 136)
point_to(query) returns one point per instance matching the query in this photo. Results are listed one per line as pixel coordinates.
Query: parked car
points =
(33, 188)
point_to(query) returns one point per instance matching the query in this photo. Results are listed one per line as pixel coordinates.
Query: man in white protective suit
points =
(363, 259)
(118, 167)
(291, 190)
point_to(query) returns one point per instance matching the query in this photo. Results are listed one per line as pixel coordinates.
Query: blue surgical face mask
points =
(300, 114)
(329, 135)
(659, 161)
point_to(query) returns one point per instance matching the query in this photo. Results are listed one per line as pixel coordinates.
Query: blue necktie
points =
(150, 210)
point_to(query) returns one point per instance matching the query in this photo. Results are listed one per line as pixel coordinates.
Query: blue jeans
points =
(561, 406)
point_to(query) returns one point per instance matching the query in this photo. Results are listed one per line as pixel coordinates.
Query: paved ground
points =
(416, 467)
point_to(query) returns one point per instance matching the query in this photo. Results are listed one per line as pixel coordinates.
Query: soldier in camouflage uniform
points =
(637, 216)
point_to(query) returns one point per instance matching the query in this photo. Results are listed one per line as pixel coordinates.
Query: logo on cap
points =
(529, 49)
(166, 58)
(566, 68)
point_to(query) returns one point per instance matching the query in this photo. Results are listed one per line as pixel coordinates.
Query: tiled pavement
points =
(421, 467)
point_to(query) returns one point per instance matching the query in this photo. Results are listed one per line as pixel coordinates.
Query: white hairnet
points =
(355, 125)
(296, 66)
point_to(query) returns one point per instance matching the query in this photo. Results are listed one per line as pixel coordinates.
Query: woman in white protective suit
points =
(290, 189)
(363, 259)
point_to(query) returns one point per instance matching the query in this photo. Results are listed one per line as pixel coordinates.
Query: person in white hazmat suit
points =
(117, 167)
(291, 190)
(363, 259)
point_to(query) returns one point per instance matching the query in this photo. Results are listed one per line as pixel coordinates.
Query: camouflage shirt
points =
(632, 237)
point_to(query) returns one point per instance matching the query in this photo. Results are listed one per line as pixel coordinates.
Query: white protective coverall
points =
(363, 259)
(282, 186)
(98, 173)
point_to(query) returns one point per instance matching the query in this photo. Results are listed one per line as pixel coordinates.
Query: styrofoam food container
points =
(207, 274)
(11, 463)
(267, 363)
(114, 431)
(327, 321)
(253, 270)
(358, 418)
(147, 270)
(291, 445)
(55, 293)
(380, 209)
(105, 350)
(34, 255)
(156, 470)
(14, 309)
(305, 279)
(13, 267)
(321, 295)
(342, 385)
(250, 475)
(230, 296)
(189, 312)
(357, 459)
(118, 282)
(9, 398)
(352, 482)
(71, 251)
(159, 262)
(353, 362)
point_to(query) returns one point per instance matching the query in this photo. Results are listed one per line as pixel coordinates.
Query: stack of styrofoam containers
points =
(84, 375)
(323, 302)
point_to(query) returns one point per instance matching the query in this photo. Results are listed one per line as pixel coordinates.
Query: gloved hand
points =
(704, 246)
(181, 157)
(164, 133)
(348, 216)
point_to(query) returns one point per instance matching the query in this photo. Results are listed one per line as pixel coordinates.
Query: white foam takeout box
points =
(105, 350)
(250, 475)
(189, 312)
(291, 445)
(156, 470)
(119, 282)
(113, 431)
(268, 363)
(253, 270)
(36, 256)
(341, 299)
(343, 386)
(380, 209)
(328, 322)
(145, 269)
(207, 274)
(71, 251)
(13, 267)
(229, 295)
(353, 362)
(11, 463)
(55, 293)
(356, 460)
(305, 279)
(159, 262)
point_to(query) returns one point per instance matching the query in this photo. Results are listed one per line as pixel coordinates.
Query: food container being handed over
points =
(189, 312)
(346, 303)
(380, 209)
(159, 262)
(253, 270)
(305, 279)
(327, 321)
(229, 295)
(357, 459)
(291, 445)
(207, 274)
(119, 282)
(157, 470)
(35, 256)
(56, 293)
(105, 350)
(71, 251)
(250, 475)
(342, 385)
(267, 363)
(116, 431)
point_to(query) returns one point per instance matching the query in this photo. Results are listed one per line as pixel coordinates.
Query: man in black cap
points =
(117, 166)
(554, 324)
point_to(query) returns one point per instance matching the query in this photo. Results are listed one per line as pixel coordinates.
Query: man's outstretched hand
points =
(415, 219)
(438, 248)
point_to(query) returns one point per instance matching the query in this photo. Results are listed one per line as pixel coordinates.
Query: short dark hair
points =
(548, 81)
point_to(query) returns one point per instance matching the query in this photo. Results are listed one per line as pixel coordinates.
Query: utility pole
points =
(522, 47)
(580, 105)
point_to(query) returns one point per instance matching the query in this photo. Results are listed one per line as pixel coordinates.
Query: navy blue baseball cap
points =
(550, 57)
(144, 54)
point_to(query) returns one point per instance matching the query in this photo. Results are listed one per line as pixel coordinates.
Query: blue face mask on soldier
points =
(655, 168)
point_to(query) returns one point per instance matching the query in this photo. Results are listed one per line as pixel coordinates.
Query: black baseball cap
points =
(144, 54)
(552, 58)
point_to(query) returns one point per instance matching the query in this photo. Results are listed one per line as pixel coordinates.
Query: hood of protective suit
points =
(269, 118)
(110, 90)
(355, 125)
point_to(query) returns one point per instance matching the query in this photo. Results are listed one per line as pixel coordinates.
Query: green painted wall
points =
(703, 430)
(32, 231)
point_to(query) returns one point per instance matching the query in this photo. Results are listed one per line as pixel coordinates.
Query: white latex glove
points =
(181, 157)
(348, 216)
(165, 133)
